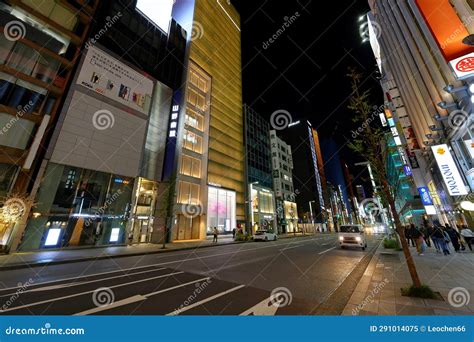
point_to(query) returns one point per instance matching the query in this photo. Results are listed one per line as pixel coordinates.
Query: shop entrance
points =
(142, 228)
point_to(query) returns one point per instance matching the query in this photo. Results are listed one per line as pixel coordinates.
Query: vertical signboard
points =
(449, 171)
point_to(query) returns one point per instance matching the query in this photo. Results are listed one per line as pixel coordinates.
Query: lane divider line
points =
(327, 250)
(204, 301)
(85, 292)
(67, 285)
(126, 301)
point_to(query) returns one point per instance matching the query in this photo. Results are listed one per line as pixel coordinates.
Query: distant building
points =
(261, 206)
(335, 176)
(307, 180)
(282, 164)
(360, 192)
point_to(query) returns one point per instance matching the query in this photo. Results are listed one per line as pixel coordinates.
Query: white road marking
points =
(83, 276)
(160, 264)
(136, 298)
(284, 249)
(327, 250)
(264, 308)
(63, 286)
(86, 292)
(189, 307)
(176, 287)
(126, 301)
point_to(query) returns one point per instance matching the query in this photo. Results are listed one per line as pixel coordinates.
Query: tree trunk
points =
(398, 225)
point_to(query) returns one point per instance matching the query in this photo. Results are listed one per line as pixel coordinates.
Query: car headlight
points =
(341, 238)
(358, 239)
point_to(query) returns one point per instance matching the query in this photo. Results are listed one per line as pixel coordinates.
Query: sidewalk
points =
(69, 255)
(378, 292)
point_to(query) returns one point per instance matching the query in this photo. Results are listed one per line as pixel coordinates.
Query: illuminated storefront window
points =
(220, 210)
(263, 209)
(79, 207)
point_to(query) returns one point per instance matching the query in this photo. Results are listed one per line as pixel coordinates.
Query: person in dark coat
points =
(408, 236)
(439, 238)
(454, 237)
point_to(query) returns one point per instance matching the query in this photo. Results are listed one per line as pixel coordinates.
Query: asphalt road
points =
(286, 277)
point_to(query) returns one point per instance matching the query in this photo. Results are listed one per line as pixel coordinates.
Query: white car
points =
(264, 235)
(352, 236)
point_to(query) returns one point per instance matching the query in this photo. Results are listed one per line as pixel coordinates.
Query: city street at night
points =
(232, 170)
(233, 280)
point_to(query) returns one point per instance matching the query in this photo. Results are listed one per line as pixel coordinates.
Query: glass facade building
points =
(79, 207)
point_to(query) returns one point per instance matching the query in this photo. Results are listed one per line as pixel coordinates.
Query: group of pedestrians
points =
(442, 238)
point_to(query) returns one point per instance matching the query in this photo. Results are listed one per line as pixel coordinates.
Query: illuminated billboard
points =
(449, 171)
(449, 31)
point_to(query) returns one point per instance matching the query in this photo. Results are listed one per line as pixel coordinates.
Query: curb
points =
(104, 257)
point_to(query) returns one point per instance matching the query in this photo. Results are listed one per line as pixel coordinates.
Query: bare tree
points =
(371, 143)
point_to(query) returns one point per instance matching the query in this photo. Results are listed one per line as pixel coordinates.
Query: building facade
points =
(38, 53)
(427, 85)
(282, 169)
(260, 183)
(210, 173)
(307, 181)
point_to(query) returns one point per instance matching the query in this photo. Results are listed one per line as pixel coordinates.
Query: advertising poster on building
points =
(107, 76)
(449, 171)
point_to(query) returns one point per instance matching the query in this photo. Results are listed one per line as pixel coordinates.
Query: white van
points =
(352, 235)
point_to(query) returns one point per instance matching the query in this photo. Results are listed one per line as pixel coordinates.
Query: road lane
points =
(241, 277)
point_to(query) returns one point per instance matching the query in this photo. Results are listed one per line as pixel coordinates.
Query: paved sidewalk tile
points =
(378, 292)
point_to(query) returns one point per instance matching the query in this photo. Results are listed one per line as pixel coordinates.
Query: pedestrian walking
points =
(215, 233)
(439, 237)
(453, 237)
(408, 236)
(435, 241)
(468, 236)
(233, 233)
(426, 234)
(417, 236)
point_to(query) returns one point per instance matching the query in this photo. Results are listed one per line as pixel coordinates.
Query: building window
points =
(188, 193)
(198, 81)
(192, 141)
(197, 100)
(17, 132)
(190, 166)
(220, 210)
(194, 119)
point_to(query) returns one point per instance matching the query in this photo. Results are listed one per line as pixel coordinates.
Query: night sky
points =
(304, 70)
